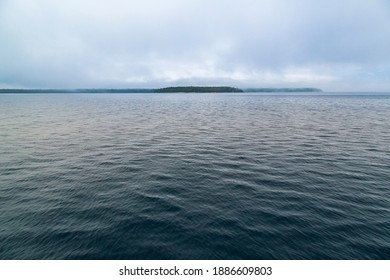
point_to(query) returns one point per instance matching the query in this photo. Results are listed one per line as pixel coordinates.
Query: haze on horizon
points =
(334, 45)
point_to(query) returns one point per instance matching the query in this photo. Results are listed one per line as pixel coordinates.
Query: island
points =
(197, 89)
(282, 90)
(87, 90)
(179, 89)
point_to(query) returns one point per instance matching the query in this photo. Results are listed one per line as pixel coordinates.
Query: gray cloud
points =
(329, 44)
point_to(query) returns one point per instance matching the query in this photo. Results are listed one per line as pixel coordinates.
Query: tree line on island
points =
(180, 89)
(197, 89)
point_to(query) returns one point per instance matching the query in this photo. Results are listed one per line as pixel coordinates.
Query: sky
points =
(335, 45)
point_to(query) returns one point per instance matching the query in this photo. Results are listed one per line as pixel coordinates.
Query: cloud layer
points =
(336, 45)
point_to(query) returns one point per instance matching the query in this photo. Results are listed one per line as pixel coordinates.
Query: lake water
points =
(195, 176)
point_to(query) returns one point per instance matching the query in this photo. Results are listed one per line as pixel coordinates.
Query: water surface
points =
(195, 176)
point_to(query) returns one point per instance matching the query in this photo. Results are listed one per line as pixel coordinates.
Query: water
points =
(194, 176)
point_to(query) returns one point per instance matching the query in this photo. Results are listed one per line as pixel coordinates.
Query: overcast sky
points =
(331, 44)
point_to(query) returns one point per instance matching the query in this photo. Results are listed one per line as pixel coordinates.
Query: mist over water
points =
(194, 176)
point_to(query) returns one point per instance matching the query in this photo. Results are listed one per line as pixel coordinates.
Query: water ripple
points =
(211, 176)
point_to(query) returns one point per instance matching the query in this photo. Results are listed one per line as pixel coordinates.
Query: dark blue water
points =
(194, 176)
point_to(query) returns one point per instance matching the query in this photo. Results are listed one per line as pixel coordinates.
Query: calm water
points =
(194, 176)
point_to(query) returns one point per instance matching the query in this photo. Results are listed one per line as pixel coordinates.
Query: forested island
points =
(181, 89)
(197, 89)
(282, 90)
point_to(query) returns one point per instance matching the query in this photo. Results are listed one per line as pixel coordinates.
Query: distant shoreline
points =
(184, 89)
